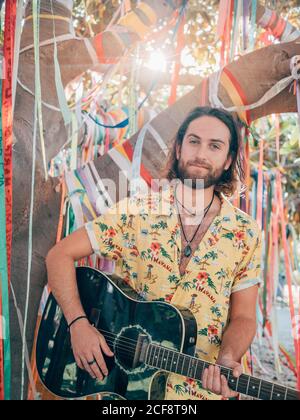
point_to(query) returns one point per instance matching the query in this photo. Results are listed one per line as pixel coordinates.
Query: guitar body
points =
(125, 321)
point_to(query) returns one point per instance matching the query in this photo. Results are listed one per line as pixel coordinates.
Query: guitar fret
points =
(182, 365)
(168, 360)
(199, 365)
(231, 380)
(149, 355)
(272, 392)
(266, 390)
(156, 356)
(259, 390)
(176, 370)
(191, 367)
(286, 393)
(153, 356)
(248, 385)
(186, 365)
(279, 393)
(253, 389)
(172, 360)
(171, 367)
(237, 383)
(162, 358)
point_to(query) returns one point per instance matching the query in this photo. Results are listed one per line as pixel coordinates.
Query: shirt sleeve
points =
(249, 273)
(108, 232)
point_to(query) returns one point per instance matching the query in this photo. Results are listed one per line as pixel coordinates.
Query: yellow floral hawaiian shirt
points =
(143, 237)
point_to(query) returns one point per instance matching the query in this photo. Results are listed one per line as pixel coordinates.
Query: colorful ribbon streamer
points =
(7, 120)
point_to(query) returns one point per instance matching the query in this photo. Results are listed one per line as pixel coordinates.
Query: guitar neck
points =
(191, 367)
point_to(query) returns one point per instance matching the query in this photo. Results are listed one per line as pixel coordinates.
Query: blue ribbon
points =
(125, 123)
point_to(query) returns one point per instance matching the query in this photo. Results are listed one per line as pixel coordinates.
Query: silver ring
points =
(92, 362)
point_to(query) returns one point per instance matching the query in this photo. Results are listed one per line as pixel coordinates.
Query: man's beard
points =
(212, 178)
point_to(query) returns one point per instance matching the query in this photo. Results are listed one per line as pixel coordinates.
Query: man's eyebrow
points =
(215, 140)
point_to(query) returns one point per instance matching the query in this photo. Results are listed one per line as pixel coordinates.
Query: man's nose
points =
(202, 155)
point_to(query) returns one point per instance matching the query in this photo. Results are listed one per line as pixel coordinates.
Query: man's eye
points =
(215, 146)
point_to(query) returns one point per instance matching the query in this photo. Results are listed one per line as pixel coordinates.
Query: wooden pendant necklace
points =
(188, 249)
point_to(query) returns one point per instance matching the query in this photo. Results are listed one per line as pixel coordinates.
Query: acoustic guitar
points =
(149, 339)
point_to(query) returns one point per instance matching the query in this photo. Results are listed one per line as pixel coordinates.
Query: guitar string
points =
(134, 347)
(243, 380)
(264, 388)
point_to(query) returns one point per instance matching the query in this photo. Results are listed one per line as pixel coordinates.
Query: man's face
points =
(203, 155)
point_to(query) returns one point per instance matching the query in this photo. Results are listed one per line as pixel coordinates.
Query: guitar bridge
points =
(140, 350)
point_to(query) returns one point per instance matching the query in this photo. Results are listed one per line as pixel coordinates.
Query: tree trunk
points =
(255, 72)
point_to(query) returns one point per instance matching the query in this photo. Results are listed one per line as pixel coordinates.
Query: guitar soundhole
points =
(128, 347)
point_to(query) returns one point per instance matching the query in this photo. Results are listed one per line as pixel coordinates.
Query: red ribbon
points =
(7, 117)
(7, 135)
(98, 44)
(280, 28)
(288, 273)
(144, 172)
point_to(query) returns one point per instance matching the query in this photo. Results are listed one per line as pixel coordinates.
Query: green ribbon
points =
(295, 245)
(38, 90)
(4, 274)
(235, 29)
(253, 24)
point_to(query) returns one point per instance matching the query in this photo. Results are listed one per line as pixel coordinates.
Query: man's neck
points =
(192, 199)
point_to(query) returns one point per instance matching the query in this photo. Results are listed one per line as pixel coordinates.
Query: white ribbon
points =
(265, 19)
(295, 67)
(214, 83)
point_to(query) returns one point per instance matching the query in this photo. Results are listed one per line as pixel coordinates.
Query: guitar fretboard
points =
(192, 367)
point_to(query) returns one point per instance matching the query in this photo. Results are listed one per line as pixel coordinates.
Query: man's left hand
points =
(213, 381)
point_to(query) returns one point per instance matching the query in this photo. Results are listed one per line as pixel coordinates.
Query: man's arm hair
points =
(61, 271)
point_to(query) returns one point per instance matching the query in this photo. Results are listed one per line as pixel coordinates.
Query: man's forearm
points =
(62, 281)
(237, 339)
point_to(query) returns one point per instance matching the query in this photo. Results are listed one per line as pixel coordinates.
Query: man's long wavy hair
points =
(230, 179)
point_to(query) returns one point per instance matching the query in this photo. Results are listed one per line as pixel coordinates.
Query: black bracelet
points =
(77, 319)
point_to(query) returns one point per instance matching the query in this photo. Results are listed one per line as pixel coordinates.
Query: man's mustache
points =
(198, 163)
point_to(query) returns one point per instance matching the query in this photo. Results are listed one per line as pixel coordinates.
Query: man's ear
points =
(228, 162)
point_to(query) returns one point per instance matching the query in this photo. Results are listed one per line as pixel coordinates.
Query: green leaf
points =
(203, 332)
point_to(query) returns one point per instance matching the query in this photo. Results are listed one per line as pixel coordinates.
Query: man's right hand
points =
(88, 345)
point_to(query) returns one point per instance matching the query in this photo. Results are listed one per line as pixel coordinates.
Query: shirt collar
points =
(226, 217)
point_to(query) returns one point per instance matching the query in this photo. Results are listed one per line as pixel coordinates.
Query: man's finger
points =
(226, 391)
(237, 371)
(204, 379)
(100, 360)
(87, 367)
(78, 362)
(105, 348)
(96, 371)
(217, 380)
(210, 378)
